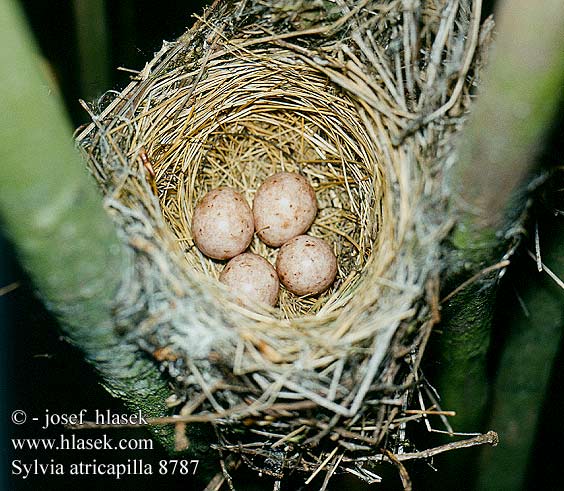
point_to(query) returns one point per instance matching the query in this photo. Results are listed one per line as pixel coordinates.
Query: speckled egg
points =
(222, 224)
(306, 265)
(284, 207)
(251, 277)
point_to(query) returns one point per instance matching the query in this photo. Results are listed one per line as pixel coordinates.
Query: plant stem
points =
(518, 100)
(522, 86)
(514, 109)
(54, 216)
(525, 368)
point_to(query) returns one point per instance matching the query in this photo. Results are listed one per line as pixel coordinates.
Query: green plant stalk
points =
(465, 328)
(459, 347)
(521, 90)
(92, 46)
(52, 213)
(524, 372)
(517, 102)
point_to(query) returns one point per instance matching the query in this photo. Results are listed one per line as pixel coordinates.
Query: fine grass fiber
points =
(362, 98)
(281, 117)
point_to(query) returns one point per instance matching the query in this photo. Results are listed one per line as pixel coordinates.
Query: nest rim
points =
(376, 339)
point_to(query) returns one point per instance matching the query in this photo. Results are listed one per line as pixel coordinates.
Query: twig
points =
(404, 475)
(9, 288)
(537, 248)
(289, 436)
(329, 475)
(490, 438)
(549, 272)
(322, 466)
(477, 276)
(430, 412)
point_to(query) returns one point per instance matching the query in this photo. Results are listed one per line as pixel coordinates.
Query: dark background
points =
(41, 371)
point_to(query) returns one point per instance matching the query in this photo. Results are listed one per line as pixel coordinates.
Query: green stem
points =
(465, 329)
(515, 107)
(518, 100)
(524, 371)
(52, 213)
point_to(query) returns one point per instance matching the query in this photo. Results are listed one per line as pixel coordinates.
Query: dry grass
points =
(281, 117)
(364, 103)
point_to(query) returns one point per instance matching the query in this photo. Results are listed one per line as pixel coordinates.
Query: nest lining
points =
(252, 118)
(233, 102)
(251, 114)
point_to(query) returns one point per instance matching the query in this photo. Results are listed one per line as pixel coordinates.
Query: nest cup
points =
(364, 106)
(245, 115)
(255, 115)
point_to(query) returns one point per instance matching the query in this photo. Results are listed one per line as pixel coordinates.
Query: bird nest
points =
(362, 98)
(255, 114)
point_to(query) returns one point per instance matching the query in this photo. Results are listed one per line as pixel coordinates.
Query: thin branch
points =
(548, 271)
(4, 290)
(489, 438)
(404, 475)
(476, 277)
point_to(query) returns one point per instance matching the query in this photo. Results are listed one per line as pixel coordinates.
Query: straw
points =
(346, 102)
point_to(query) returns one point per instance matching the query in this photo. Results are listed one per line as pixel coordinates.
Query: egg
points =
(306, 265)
(251, 277)
(222, 224)
(284, 207)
